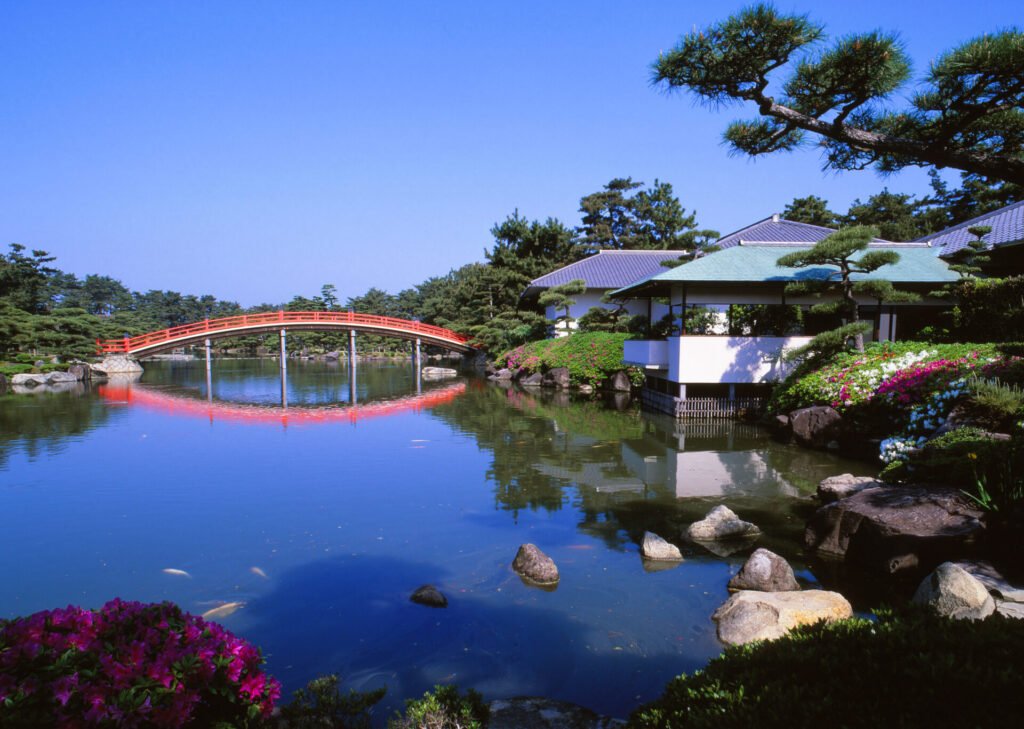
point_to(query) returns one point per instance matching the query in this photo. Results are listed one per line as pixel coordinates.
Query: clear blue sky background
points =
(256, 150)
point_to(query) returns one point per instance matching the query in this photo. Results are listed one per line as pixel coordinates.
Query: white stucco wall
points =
(711, 359)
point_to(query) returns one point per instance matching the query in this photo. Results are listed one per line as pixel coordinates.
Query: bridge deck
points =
(271, 321)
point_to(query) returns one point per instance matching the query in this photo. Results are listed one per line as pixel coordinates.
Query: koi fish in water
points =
(177, 573)
(223, 611)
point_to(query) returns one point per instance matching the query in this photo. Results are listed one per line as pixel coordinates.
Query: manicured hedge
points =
(590, 357)
(914, 670)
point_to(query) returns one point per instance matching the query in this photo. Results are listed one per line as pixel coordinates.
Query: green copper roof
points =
(752, 263)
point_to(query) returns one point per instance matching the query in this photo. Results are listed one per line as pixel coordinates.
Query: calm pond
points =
(324, 517)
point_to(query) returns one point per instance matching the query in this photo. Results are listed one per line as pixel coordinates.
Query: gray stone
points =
(535, 566)
(1008, 609)
(721, 523)
(952, 592)
(438, 373)
(80, 372)
(657, 549)
(558, 377)
(541, 713)
(430, 596)
(815, 426)
(750, 615)
(834, 488)
(55, 378)
(586, 389)
(894, 528)
(993, 580)
(28, 379)
(332, 356)
(533, 380)
(767, 572)
(502, 374)
(619, 382)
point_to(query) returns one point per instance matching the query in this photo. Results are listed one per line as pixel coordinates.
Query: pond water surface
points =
(323, 517)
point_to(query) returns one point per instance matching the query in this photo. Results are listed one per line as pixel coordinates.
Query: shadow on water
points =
(43, 422)
(345, 616)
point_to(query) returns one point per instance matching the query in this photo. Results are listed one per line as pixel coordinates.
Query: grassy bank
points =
(591, 358)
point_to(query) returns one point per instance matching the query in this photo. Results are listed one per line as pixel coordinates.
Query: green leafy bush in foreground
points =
(590, 358)
(911, 670)
(444, 708)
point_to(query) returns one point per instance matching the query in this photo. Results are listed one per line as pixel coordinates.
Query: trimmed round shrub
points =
(913, 670)
(129, 664)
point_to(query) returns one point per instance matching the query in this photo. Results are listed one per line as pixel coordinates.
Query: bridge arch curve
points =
(246, 324)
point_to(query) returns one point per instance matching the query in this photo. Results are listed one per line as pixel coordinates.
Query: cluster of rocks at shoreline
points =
(557, 377)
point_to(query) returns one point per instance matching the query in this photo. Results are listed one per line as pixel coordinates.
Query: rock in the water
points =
(80, 372)
(815, 426)
(502, 374)
(540, 713)
(332, 356)
(834, 488)
(893, 528)
(993, 580)
(117, 364)
(27, 379)
(430, 596)
(55, 378)
(750, 615)
(533, 380)
(535, 566)
(586, 389)
(619, 382)
(953, 593)
(438, 373)
(558, 377)
(767, 572)
(721, 523)
(657, 549)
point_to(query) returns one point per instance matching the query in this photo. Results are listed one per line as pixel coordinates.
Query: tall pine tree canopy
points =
(967, 112)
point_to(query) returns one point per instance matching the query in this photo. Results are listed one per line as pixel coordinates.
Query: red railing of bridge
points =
(211, 326)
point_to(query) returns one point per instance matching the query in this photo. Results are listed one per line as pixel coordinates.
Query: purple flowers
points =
(128, 664)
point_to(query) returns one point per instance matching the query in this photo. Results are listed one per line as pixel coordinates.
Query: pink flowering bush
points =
(590, 357)
(129, 664)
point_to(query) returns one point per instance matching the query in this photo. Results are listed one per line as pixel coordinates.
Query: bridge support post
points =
(417, 363)
(209, 372)
(352, 391)
(284, 368)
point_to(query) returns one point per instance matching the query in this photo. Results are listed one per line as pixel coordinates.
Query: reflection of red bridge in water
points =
(274, 321)
(213, 410)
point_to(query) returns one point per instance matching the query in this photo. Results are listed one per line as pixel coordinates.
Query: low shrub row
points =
(591, 358)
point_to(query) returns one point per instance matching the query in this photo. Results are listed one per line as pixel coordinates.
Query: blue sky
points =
(256, 150)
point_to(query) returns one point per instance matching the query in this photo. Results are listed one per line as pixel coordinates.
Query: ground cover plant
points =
(591, 358)
(901, 670)
(129, 664)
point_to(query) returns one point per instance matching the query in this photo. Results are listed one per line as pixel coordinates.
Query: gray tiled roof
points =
(608, 269)
(776, 229)
(1007, 227)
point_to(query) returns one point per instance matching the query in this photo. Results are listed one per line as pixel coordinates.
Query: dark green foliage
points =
(560, 299)
(755, 320)
(957, 458)
(995, 404)
(826, 345)
(600, 319)
(909, 670)
(989, 310)
(444, 708)
(968, 260)
(321, 705)
(967, 114)
(811, 209)
(999, 484)
(651, 219)
(896, 216)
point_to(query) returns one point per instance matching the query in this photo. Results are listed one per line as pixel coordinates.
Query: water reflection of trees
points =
(42, 423)
(626, 472)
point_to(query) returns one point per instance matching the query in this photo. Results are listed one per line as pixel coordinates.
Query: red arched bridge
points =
(278, 321)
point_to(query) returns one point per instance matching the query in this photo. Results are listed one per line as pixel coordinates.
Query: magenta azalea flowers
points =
(128, 664)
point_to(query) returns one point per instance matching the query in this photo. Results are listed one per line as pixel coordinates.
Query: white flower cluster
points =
(898, 448)
(926, 418)
(867, 380)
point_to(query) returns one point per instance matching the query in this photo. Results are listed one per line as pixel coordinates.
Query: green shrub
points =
(999, 482)
(989, 310)
(995, 404)
(955, 458)
(321, 704)
(911, 670)
(444, 708)
(590, 358)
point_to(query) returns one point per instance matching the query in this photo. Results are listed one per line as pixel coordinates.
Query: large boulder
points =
(815, 427)
(751, 615)
(765, 571)
(28, 379)
(502, 374)
(721, 524)
(117, 364)
(535, 566)
(1009, 598)
(557, 377)
(951, 591)
(430, 596)
(80, 372)
(839, 487)
(895, 528)
(438, 373)
(534, 380)
(332, 356)
(619, 382)
(55, 378)
(657, 549)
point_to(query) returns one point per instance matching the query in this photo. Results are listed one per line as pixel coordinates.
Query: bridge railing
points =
(130, 344)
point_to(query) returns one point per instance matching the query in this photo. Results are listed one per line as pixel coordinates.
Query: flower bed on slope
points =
(591, 358)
